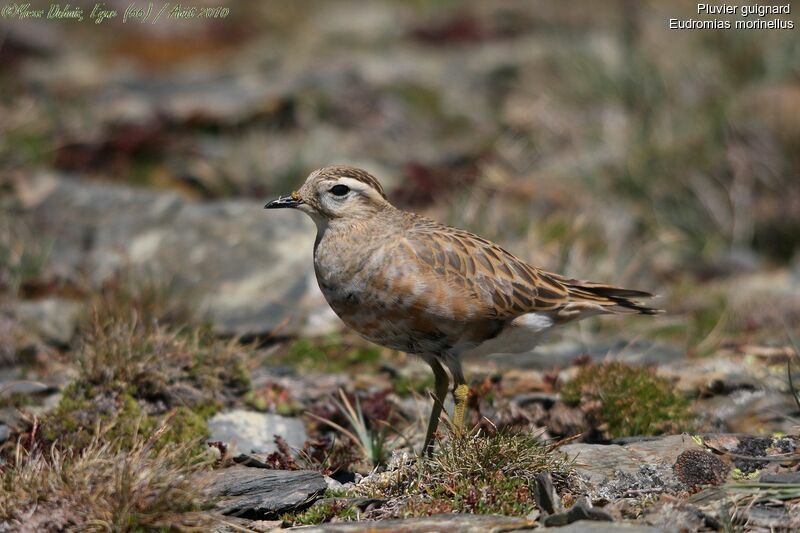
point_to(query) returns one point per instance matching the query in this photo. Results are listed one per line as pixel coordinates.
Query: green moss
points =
(329, 354)
(118, 417)
(186, 425)
(322, 512)
(28, 145)
(85, 412)
(629, 400)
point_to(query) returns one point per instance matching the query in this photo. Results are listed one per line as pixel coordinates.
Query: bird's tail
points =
(611, 299)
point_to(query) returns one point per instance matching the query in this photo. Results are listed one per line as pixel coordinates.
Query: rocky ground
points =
(167, 362)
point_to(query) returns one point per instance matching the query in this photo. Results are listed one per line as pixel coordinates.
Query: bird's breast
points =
(374, 294)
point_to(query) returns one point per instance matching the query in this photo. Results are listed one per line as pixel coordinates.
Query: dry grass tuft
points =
(124, 450)
(141, 298)
(130, 379)
(476, 473)
(102, 489)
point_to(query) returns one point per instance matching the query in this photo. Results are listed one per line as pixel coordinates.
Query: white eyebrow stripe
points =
(354, 184)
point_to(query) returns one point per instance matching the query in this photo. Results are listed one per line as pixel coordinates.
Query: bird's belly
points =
(388, 322)
(394, 326)
(521, 335)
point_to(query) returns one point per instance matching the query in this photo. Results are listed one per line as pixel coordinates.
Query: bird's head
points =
(336, 192)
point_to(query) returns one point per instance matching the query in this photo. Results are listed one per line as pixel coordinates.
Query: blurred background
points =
(585, 137)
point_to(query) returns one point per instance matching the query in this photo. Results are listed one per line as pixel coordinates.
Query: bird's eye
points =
(340, 190)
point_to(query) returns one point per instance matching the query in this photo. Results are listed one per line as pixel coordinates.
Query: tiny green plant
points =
(371, 441)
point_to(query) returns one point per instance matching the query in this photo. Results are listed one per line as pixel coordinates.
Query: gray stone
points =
(637, 469)
(780, 478)
(719, 375)
(678, 515)
(467, 523)
(248, 271)
(11, 416)
(250, 431)
(743, 410)
(259, 493)
(333, 484)
(27, 387)
(5, 433)
(54, 319)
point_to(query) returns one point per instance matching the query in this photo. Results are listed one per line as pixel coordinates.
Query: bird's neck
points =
(362, 229)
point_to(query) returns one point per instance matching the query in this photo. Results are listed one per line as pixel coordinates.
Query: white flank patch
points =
(536, 322)
(522, 335)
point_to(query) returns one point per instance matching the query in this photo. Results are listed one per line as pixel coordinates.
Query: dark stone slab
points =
(262, 494)
(780, 477)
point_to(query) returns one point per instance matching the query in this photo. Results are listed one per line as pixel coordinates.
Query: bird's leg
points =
(460, 392)
(460, 395)
(441, 383)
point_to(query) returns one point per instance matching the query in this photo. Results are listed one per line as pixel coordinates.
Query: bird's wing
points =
(502, 286)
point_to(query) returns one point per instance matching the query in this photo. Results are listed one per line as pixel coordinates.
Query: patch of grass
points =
(126, 441)
(130, 380)
(100, 488)
(332, 510)
(627, 401)
(149, 301)
(331, 353)
(155, 361)
(371, 439)
(477, 473)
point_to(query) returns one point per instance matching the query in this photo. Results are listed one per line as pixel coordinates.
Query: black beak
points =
(284, 202)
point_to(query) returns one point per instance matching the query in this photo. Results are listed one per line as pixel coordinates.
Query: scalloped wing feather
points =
(501, 286)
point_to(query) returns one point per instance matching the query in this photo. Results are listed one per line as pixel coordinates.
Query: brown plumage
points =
(412, 284)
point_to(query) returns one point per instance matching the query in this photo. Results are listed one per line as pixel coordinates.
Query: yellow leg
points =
(460, 395)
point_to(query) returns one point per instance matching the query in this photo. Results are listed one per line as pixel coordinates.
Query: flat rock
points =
(250, 431)
(467, 523)
(586, 526)
(262, 494)
(780, 478)
(719, 376)
(749, 411)
(27, 387)
(631, 470)
(248, 271)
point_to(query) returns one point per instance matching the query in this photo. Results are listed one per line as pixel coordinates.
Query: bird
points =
(409, 283)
